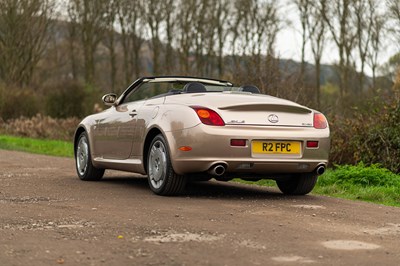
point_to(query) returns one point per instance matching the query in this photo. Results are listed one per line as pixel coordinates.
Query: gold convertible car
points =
(178, 129)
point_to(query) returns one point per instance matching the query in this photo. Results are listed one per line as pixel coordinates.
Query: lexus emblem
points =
(273, 118)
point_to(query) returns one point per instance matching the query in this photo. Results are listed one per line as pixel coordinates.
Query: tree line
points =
(107, 43)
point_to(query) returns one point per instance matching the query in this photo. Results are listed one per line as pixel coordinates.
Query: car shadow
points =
(131, 181)
(236, 191)
(210, 189)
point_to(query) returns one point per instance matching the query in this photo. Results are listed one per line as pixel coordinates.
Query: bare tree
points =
(378, 31)
(170, 9)
(259, 18)
(154, 16)
(317, 38)
(202, 15)
(393, 7)
(303, 7)
(272, 70)
(132, 23)
(73, 32)
(221, 14)
(243, 38)
(264, 30)
(186, 33)
(246, 27)
(238, 14)
(253, 30)
(24, 28)
(210, 35)
(272, 21)
(338, 18)
(90, 18)
(365, 11)
(394, 13)
(109, 38)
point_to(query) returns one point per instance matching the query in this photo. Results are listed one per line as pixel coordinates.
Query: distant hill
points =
(328, 72)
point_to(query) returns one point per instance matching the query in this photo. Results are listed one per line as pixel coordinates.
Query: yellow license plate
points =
(276, 147)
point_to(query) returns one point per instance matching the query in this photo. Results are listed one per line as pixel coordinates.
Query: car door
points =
(115, 131)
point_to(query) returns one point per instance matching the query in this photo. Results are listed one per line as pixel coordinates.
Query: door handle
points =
(133, 113)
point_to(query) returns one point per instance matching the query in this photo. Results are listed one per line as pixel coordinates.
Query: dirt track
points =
(49, 217)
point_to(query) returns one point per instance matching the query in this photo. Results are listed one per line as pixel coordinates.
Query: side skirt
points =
(129, 165)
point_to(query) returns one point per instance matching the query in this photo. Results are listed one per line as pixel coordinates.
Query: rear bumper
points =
(249, 166)
(211, 145)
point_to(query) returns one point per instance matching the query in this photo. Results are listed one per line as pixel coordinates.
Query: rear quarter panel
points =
(164, 117)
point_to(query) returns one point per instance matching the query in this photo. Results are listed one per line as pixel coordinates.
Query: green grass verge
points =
(360, 182)
(39, 146)
(356, 182)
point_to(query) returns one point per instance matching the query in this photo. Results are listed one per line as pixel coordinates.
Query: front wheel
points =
(83, 161)
(300, 184)
(161, 176)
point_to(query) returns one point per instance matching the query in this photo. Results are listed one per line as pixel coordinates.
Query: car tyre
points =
(83, 160)
(161, 176)
(301, 184)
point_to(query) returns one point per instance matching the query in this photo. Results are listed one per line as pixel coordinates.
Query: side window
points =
(148, 90)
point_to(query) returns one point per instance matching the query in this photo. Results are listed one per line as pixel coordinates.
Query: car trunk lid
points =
(249, 109)
(267, 114)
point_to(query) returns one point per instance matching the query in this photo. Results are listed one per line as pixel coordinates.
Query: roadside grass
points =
(39, 146)
(371, 183)
(355, 182)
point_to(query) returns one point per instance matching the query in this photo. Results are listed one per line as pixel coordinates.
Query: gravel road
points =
(49, 217)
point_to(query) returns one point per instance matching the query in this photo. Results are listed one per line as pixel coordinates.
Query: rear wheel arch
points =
(162, 178)
(149, 138)
(78, 133)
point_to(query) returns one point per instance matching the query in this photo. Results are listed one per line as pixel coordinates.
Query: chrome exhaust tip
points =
(217, 170)
(320, 170)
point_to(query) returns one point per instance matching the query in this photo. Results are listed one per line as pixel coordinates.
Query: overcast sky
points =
(288, 43)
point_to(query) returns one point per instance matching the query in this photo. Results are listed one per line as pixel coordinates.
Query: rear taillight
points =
(320, 121)
(208, 116)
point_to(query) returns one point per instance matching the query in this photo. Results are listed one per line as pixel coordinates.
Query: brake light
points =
(320, 121)
(208, 116)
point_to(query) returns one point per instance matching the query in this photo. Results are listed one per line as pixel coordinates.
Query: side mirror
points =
(109, 99)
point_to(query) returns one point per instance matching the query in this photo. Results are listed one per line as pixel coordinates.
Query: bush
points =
(361, 175)
(40, 126)
(371, 136)
(67, 100)
(16, 102)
